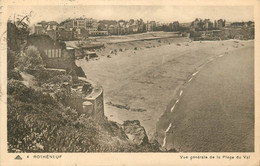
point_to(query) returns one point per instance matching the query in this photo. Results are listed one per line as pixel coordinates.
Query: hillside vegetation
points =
(40, 121)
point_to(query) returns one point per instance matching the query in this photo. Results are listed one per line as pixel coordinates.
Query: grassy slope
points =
(39, 123)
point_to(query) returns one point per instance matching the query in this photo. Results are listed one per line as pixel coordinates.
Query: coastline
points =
(131, 77)
(166, 125)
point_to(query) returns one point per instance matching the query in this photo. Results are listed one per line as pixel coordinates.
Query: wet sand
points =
(215, 110)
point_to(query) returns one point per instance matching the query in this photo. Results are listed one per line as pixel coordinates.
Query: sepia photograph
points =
(130, 79)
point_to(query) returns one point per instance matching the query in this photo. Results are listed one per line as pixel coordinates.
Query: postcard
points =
(129, 82)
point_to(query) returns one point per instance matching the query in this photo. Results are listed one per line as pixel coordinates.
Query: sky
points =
(164, 14)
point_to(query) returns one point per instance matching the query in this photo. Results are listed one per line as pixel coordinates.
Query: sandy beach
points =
(141, 80)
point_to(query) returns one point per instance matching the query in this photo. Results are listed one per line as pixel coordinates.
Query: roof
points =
(90, 52)
(43, 42)
(87, 103)
(69, 48)
(38, 25)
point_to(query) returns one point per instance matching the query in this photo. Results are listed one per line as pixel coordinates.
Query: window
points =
(60, 52)
(57, 53)
(49, 53)
(53, 53)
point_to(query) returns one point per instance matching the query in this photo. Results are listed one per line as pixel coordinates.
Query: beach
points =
(214, 111)
(141, 81)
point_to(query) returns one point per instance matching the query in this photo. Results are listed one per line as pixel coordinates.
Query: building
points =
(90, 54)
(98, 33)
(219, 24)
(207, 25)
(141, 26)
(237, 24)
(85, 27)
(88, 24)
(217, 33)
(150, 26)
(113, 30)
(205, 34)
(175, 26)
(51, 31)
(196, 23)
(67, 24)
(48, 28)
(83, 49)
(228, 24)
(79, 23)
(91, 24)
(64, 34)
(134, 28)
(54, 54)
(38, 29)
(131, 21)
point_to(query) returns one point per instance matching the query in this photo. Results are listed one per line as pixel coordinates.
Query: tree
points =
(17, 33)
(249, 23)
(30, 60)
(200, 25)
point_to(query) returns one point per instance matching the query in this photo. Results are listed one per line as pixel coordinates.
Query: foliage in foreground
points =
(37, 123)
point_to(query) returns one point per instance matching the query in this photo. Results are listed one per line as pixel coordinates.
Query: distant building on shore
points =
(150, 26)
(98, 33)
(175, 26)
(38, 29)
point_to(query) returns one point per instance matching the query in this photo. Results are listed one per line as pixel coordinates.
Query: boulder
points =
(135, 132)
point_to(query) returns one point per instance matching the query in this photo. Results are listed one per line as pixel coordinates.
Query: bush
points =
(195, 34)
(38, 123)
(11, 57)
(13, 74)
(30, 60)
(46, 76)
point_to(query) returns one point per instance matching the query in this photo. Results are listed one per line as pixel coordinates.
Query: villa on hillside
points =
(54, 54)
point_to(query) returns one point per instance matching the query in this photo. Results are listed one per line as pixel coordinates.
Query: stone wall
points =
(94, 104)
(99, 107)
(89, 100)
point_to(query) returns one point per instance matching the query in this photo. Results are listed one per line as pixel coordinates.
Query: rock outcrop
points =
(135, 132)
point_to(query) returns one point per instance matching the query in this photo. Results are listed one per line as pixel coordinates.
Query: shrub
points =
(30, 60)
(11, 57)
(55, 77)
(13, 74)
(38, 123)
